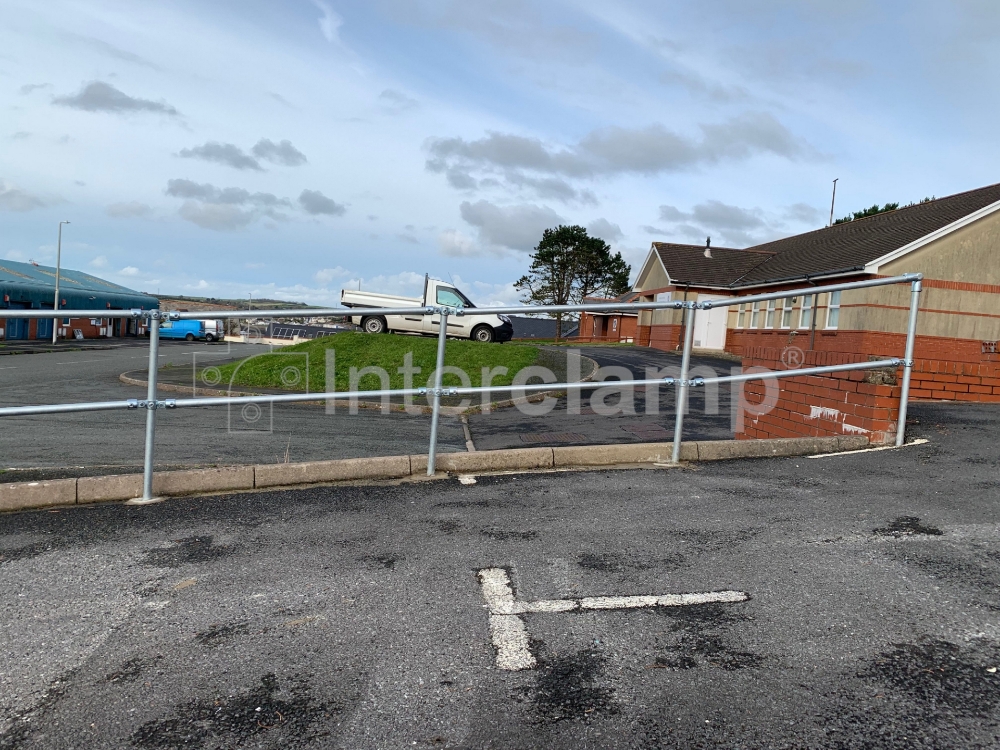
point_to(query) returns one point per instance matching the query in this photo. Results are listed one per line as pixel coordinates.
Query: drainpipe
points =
(815, 314)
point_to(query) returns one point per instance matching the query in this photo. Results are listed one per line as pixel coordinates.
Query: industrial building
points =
(28, 286)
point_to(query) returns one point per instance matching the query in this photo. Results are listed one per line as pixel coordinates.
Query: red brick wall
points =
(642, 335)
(943, 369)
(846, 403)
(955, 381)
(666, 337)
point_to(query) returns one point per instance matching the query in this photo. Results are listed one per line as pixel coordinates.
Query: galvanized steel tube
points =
(911, 335)
(683, 385)
(436, 403)
(154, 356)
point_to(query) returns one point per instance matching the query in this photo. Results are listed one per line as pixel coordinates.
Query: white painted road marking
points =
(918, 441)
(510, 637)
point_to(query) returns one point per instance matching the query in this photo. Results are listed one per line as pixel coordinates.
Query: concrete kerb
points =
(85, 490)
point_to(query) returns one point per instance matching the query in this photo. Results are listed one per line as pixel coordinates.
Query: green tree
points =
(568, 265)
(873, 211)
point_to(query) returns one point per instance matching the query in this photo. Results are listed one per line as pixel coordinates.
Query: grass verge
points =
(292, 366)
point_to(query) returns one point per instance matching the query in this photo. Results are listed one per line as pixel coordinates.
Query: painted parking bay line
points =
(510, 636)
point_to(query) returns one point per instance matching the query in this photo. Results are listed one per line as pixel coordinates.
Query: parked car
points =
(190, 330)
(485, 327)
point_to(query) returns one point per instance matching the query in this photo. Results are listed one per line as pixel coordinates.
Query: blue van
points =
(184, 329)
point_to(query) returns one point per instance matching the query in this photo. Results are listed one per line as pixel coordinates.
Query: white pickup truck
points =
(484, 327)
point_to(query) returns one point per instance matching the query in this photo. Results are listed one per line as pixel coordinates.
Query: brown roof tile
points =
(850, 246)
(687, 264)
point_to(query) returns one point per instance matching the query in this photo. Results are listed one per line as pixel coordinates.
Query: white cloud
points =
(228, 154)
(129, 210)
(516, 227)
(454, 244)
(15, 199)
(733, 225)
(605, 229)
(327, 275)
(101, 261)
(218, 217)
(98, 96)
(395, 102)
(131, 271)
(329, 22)
(283, 153)
(315, 203)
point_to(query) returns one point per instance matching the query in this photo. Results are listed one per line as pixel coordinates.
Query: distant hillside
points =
(180, 302)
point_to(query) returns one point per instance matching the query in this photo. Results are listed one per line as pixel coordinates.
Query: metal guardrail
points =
(152, 404)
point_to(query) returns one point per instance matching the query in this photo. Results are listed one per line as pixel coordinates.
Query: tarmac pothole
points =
(907, 526)
(700, 640)
(285, 712)
(569, 687)
(193, 549)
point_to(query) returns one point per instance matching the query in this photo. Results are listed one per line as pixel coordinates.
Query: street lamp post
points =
(55, 303)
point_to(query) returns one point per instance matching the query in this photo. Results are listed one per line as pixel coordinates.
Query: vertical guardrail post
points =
(682, 383)
(436, 403)
(154, 357)
(911, 335)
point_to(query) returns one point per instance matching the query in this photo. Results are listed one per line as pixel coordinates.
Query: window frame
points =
(741, 314)
(755, 315)
(833, 310)
(787, 310)
(806, 311)
(769, 313)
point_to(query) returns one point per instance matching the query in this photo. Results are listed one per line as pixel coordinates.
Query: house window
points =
(741, 316)
(769, 318)
(833, 311)
(614, 324)
(755, 315)
(805, 314)
(787, 304)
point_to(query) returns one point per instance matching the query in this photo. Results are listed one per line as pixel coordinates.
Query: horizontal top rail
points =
(50, 313)
(324, 312)
(430, 310)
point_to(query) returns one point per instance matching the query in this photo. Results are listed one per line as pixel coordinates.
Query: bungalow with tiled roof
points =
(954, 241)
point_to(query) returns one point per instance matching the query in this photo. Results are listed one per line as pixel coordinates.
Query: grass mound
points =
(292, 366)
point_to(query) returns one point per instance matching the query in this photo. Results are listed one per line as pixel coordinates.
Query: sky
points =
(291, 149)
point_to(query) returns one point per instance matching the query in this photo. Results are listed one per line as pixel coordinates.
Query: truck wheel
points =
(483, 334)
(189, 337)
(373, 325)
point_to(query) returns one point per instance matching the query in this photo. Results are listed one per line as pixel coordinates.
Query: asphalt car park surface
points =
(352, 617)
(112, 441)
(101, 442)
(607, 417)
